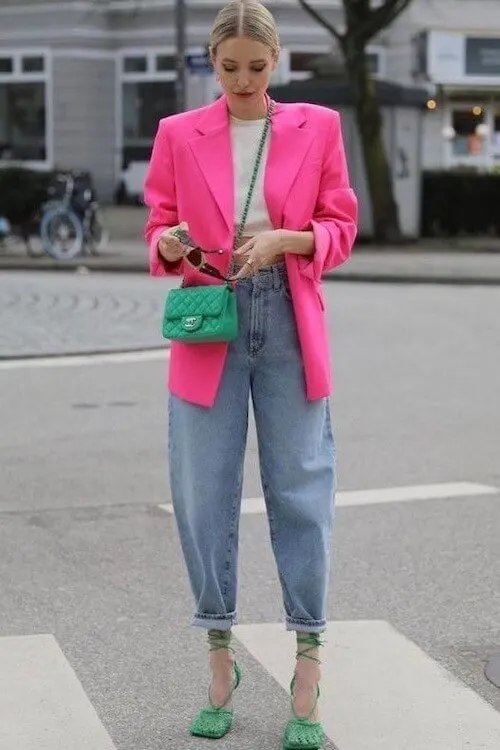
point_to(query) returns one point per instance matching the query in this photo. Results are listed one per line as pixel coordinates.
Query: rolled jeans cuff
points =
(305, 626)
(215, 622)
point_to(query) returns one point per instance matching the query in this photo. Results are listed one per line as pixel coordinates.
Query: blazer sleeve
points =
(334, 223)
(160, 197)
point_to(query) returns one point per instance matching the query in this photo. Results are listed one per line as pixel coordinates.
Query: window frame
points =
(490, 155)
(17, 54)
(323, 49)
(151, 75)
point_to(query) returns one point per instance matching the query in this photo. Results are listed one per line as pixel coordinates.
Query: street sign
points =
(199, 64)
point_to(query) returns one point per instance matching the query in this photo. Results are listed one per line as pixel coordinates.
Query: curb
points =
(91, 265)
(412, 278)
(78, 354)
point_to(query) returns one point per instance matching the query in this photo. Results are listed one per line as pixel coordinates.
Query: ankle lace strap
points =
(313, 641)
(219, 639)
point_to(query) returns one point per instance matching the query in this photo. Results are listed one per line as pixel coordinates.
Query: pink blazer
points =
(306, 185)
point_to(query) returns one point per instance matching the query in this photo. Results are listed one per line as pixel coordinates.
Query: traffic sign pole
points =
(180, 29)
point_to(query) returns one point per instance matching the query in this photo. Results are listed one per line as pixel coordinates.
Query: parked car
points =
(130, 188)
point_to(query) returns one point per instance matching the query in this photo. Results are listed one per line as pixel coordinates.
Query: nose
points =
(243, 80)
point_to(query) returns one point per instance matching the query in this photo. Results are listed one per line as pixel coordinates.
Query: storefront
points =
(463, 123)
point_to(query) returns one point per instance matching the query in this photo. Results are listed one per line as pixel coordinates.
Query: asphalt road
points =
(88, 556)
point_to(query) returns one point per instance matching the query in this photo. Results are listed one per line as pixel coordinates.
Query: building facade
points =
(453, 48)
(83, 83)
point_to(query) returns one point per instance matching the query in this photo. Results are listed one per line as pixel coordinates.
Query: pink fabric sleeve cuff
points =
(158, 266)
(313, 267)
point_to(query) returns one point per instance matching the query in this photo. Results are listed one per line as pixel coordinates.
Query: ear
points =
(211, 54)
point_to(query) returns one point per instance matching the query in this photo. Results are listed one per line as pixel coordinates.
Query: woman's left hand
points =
(261, 250)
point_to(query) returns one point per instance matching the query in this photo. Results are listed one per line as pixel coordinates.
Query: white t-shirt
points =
(245, 137)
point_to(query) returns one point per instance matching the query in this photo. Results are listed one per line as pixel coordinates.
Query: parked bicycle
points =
(5, 231)
(71, 220)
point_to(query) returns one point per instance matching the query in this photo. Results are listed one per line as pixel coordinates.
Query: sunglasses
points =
(196, 257)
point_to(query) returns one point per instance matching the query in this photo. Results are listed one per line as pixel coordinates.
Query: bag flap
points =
(196, 301)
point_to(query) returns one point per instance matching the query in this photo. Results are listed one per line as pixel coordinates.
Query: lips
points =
(244, 95)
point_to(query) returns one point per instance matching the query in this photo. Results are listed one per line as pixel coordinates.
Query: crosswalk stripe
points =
(380, 691)
(42, 703)
(448, 490)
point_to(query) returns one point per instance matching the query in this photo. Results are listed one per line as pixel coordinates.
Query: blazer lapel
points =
(213, 154)
(290, 143)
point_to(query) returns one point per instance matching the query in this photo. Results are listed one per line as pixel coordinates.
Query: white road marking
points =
(255, 505)
(77, 360)
(380, 691)
(42, 703)
(414, 492)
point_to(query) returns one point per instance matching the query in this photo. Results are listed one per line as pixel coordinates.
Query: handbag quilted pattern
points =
(200, 313)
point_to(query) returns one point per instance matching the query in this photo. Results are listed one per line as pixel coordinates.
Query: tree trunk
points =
(378, 172)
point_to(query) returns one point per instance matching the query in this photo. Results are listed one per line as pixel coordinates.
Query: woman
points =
(299, 222)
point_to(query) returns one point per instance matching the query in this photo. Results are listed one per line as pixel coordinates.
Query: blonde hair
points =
(245, 18)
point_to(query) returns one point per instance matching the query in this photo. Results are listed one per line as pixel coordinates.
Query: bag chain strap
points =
(253, 180)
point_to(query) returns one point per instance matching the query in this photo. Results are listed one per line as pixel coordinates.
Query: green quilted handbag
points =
(197, 314)
(201, 313)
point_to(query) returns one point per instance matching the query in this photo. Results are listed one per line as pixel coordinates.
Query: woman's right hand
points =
(170, 248)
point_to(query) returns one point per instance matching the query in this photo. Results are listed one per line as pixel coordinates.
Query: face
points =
(244, 67)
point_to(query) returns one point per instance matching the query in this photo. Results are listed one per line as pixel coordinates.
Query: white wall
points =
(471, 16)
(432, 141)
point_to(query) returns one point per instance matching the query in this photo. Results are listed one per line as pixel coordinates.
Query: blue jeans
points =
(297, 463)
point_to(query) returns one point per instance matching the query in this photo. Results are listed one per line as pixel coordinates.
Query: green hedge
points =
(22, 192)
(460, 202)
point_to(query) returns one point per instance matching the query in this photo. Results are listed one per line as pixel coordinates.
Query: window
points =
(33, 64)
(496, 131)
(374, 63)
(6, 65)
(467, 140)
(138, 64)
(303, 62)
(22, 121)
(148, 94)
(144, 104)
(23, 109)
(165, 63)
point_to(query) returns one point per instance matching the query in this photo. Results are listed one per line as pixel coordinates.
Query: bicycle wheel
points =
(5, 233)
(62, 233)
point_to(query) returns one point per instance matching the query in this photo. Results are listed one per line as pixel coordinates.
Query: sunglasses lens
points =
(195, 257)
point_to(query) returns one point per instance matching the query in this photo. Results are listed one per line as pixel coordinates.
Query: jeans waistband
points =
(268, 277)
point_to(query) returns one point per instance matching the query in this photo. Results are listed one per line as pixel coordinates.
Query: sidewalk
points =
(397, 265)
(460, 261)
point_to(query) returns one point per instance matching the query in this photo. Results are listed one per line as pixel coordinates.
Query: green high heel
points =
(214, 722)
(301, 733)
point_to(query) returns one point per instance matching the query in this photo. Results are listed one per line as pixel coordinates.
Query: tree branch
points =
(378, 18)
(322, 21)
